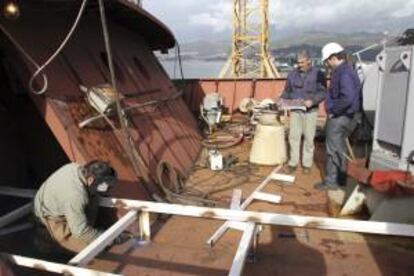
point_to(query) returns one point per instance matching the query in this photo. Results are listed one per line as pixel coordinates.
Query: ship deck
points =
(178, 245)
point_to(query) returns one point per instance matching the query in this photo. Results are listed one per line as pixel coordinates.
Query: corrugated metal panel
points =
(233, 91)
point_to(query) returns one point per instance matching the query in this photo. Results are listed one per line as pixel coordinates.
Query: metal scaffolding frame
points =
(250, 56)
(141, 209)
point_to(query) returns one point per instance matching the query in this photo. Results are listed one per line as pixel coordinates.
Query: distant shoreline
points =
(193, 59)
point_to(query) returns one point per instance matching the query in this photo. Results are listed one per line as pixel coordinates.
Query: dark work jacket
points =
(344, 94)
(308, 86)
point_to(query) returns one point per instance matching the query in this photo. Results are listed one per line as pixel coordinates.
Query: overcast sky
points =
(192, 20)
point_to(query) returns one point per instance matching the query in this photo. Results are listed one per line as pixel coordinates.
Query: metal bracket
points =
(235, 205)
(381, 61)
(405, 58)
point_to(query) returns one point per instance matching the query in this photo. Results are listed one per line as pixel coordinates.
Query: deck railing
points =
(232, 90)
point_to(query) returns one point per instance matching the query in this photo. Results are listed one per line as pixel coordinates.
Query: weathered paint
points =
(233, 91)
(166, 132)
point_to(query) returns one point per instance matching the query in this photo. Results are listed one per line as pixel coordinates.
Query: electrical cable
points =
(180, 66)
(134, 157)
(175, 192)
(180, 62)
(40, 68)
(223, 142)
(174, 72)
(58, 50)
(136, 160)
(25, 54)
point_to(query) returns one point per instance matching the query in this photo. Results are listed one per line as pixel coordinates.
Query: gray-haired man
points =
(305, 83)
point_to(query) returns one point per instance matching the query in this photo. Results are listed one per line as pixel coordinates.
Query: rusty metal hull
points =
(165, 132)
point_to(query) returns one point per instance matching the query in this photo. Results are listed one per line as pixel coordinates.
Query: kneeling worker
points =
(67, 202)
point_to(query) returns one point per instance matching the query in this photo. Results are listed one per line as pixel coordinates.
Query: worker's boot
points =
(290, 169)
(323, 186)
(306, 170)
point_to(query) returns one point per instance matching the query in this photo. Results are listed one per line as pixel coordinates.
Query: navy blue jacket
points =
(308, 86)
(344, 94)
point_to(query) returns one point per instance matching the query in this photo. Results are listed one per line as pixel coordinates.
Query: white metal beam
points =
(243, 249)
(358, 226)
(235, 205)
(16, 214)
(53, 267)
(348, 225)
(283, 177)
(10, 191)
(99, 244)
(224, 227)
(267, 197)
(260, 187)
(13, 229)
(236, 199)
(144, 225)
(220, 232)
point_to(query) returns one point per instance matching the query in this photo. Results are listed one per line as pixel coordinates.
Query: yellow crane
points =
(250, 57)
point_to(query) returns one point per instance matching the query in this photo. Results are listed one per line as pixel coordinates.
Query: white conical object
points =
(269, 146)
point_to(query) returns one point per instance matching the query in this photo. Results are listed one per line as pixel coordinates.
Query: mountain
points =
(206, 48)
(288, 45)
(362, 39)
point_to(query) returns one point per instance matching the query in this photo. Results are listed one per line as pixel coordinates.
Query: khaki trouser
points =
(60, 232)
(302, 123)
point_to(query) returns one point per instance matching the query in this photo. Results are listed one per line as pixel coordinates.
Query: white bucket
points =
(269, 146)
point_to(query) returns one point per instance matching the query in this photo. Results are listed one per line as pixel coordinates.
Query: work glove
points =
(122, 238)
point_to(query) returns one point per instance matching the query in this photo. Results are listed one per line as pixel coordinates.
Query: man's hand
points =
(122, 238)
(308, 103)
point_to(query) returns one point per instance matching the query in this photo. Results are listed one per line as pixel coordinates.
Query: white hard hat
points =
(330, 49)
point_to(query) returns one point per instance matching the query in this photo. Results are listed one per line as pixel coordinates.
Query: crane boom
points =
(250, 57)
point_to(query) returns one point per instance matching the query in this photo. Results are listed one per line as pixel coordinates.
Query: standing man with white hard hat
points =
(342, 103)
